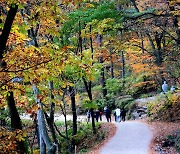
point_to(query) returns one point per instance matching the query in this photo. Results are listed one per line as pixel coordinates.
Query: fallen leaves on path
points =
(160, 132)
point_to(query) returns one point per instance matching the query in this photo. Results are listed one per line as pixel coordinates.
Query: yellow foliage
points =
(9, 140)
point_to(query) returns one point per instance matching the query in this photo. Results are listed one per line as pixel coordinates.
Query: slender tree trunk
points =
(123, 64)
(91, 42)
(66, 125)
(88, 89)
(88, 86)
(80, 39)
(158, 53)
(112, 65)
(151, 42)
(2, 121)
(135, 5)
(142, 42)
(73, 106)
(50, 120)
(102, 80)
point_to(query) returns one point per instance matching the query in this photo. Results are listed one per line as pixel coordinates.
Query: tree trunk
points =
(73, 107)
(151, 42)
(15, 120)
(112, 66)
(158, 53)
(66, 125)
(80, 39)
(88, 86)
(135, 5)
(142, 42)
(123, 64)
(50, 120)
(102, 80)
(7, 27)
(88, 89)
(43, 134)
(91, 42)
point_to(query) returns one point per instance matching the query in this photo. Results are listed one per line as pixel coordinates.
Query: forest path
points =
(132, 137)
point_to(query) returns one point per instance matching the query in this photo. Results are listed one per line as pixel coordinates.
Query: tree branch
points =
(20, 70)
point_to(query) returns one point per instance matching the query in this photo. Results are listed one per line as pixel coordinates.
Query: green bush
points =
(88, 104)
(114, 85)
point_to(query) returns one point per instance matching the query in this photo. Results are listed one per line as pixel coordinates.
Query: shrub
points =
(142, 88)
(114, 85)
(166, 108)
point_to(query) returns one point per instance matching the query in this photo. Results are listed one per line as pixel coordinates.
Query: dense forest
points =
(57, 57)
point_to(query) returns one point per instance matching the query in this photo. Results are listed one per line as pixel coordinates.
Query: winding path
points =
(132, 137)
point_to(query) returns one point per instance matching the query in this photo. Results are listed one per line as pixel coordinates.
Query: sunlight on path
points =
(132, 137)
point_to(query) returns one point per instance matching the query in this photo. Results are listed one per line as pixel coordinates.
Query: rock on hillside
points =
(140, 110)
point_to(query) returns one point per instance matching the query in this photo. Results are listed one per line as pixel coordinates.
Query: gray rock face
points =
(139, 113)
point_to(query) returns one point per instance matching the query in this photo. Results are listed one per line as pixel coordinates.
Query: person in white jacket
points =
(118, 112)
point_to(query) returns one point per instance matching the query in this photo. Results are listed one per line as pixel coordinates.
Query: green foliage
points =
(114, 85)
(124, 102)
(132, 13)
(59, 123)
(84, 138)
(88, 104)
(101, 12)
(101, 103)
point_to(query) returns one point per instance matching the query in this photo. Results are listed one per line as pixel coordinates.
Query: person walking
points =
(88, 115)
(96, 115)
(108, 114)
(118, 112)
(114, 115)
(123, 114)
(100, 114)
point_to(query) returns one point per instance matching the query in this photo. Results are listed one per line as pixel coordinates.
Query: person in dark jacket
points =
(108, 114)
(123, 114)
(100, 114)
(96, 115)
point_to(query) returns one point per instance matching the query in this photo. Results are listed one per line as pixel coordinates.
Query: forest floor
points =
(160, 132)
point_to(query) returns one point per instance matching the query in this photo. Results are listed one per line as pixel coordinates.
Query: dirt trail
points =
(132, 137)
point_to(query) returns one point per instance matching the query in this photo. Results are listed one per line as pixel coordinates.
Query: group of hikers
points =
(119, 114)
